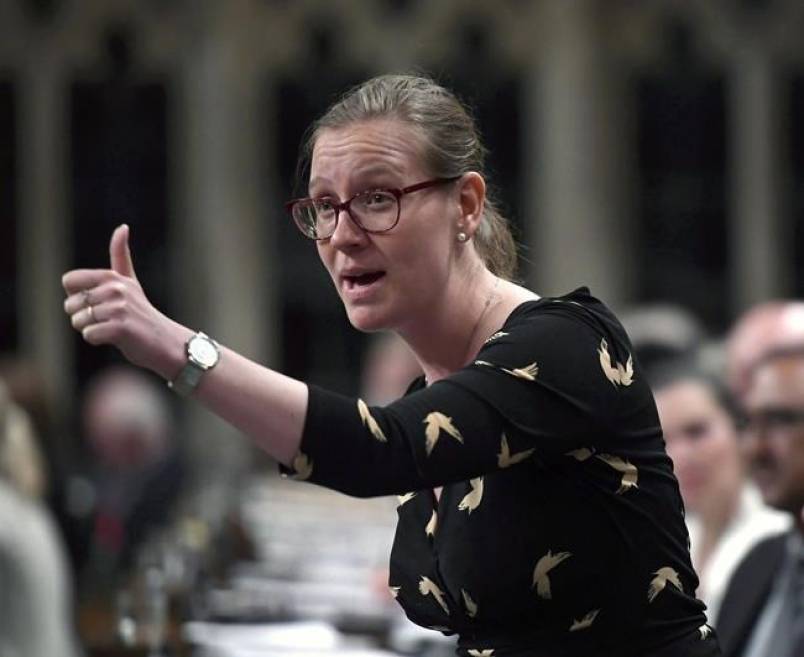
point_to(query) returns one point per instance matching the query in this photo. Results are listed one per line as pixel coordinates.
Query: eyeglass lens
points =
(374, 211)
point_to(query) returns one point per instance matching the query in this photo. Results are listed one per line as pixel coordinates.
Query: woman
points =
(726, 516)
(35, 586)
(538, 511)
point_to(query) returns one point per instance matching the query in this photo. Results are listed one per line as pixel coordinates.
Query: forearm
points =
(267, 406)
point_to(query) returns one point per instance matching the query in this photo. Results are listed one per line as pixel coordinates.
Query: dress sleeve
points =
(541, 388)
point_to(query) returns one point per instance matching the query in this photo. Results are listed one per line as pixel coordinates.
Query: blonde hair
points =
(20, 459)
(452, 145)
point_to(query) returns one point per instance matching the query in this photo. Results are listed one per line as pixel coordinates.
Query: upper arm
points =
(543, 388)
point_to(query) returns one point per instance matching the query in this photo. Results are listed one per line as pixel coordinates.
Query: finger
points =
(97, 313)
(103, 333)
(120, 254)
(114, 288)
(75, 302)
(84, 317)
(77, 280)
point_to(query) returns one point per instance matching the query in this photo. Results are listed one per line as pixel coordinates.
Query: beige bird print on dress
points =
(659, 583)
(486, 652)
(370, 422)
(471, 606)
(394, 591)
(430, 529)
(628, 470)
(584, 622)
(402, 499)
(541, 580)
(472, 499)
(436, 423)
(498, 334)
(302, 466)
(429, 587)
(506, 459)
(617, 373)
(582, 453)
(528, 373)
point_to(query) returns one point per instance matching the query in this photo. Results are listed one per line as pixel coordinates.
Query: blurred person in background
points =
(389, 367)
(134, 476)
(760, 329)
(663, 334)
(725, 514)
(540, 514)
(762, 612)
(36, 615)
(62, 491)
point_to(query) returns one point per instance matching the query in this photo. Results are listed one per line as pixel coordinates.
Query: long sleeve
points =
(548, 383)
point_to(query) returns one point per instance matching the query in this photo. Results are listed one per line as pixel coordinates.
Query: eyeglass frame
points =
(772, 421)
(340, 206)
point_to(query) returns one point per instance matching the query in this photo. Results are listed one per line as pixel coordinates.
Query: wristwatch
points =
(203, 354)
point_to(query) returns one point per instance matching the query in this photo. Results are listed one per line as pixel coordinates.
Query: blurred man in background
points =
(136, 474)
(761, 328)
(762, 614)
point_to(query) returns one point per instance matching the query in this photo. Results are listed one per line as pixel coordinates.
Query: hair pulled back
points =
(452, 145)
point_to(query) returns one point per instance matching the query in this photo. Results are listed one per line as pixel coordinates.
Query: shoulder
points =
(576, 329)
(578, 309)
(748, 591)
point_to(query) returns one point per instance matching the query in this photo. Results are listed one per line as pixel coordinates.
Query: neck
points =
(466, 317)
(714, 522)
(454, 331)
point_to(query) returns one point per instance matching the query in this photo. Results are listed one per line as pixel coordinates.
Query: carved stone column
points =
(44, 225)
(220, 243)
(580, 234)
(760, 239)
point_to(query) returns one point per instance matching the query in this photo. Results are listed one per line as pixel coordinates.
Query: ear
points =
(472, 198)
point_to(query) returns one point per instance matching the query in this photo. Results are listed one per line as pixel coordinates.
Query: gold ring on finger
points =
(91, 312)
(85, 298)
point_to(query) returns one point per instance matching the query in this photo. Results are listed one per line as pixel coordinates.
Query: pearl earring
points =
(462, 237)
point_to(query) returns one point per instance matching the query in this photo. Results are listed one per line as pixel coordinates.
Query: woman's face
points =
(386, 280)
(702, 441)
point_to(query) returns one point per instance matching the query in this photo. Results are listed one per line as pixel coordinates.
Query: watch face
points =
(203, 351)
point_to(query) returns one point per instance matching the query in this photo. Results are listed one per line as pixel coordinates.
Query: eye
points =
(697, 430)
(378, 199)
(324, 205)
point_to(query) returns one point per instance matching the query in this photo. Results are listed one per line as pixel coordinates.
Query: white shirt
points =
(752, 521)
(35, 604)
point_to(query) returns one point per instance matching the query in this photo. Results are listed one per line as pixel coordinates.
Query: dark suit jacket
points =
(747, 593)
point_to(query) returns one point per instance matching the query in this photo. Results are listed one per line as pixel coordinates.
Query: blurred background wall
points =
(652, 149)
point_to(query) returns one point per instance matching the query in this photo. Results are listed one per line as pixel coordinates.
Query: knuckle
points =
(118, 309)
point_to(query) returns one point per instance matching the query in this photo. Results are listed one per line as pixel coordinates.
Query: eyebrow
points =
(373, 170)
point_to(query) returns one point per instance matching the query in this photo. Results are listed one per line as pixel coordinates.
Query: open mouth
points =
(362, 280)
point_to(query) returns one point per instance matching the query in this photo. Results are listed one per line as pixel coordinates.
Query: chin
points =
(367, 320)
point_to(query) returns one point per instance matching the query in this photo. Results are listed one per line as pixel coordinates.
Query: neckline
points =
(525, 305)
(420, 382)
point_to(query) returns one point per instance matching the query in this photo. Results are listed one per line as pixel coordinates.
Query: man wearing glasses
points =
(762, 614)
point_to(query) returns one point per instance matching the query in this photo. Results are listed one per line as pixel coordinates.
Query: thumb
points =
(119, 253)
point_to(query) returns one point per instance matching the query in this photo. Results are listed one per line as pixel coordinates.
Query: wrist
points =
(202, 354)
(174, 350)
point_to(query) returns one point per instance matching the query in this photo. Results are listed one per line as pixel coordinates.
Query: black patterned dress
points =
(559, 529)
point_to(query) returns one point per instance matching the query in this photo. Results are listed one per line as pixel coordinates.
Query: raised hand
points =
(108, 306)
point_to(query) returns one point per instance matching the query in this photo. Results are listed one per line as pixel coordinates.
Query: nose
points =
(753, 443)
(347, 233)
